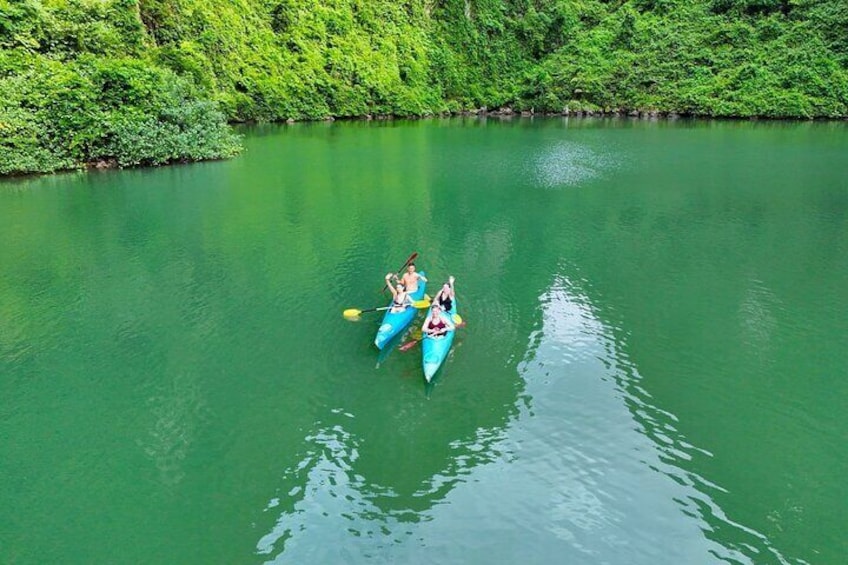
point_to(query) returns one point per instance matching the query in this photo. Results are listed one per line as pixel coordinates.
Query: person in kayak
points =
(437, 324)
(400, 297)
(446, 295)
(410, 278)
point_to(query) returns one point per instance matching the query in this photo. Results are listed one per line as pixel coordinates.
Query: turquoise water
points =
(653, 368)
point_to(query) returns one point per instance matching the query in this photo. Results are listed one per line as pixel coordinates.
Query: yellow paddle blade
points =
(420, 304)
(351, 313)
(457, 319)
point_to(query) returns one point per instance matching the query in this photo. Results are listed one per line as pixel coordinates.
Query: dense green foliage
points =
(153, 81)
(77, 86)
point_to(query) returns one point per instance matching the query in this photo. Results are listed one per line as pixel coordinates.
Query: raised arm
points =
(437, 295)
(390, 285)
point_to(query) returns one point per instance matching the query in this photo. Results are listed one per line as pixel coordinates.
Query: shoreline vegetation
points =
(500, 113)
(121, 83)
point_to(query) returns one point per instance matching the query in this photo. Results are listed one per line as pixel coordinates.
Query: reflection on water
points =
(176, 412)
(325, 497)
(588, 456)
(756, 318)
(569, 163)
(329, 500)
(651, 371)
(617, 455)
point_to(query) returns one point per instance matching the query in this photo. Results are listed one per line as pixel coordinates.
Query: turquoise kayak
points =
(436, 349)
(396, 322)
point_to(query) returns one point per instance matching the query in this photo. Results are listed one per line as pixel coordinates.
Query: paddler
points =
(446, 295)
(401, 299)
(410, 279)
(437, 324)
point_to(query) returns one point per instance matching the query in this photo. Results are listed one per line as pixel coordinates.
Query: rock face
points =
(103, 164)
(507, 112)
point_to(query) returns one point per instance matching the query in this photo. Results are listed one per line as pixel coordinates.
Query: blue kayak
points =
(436, 349)
(396, 322)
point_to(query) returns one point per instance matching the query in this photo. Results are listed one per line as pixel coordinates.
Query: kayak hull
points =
(435, 349)
(395, 322)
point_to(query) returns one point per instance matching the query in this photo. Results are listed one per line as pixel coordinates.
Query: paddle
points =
(457, 320)
(409, 260)
(410, 344)
(354, 312)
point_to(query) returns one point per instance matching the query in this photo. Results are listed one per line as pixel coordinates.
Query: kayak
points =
(436, 349)
(395, 322)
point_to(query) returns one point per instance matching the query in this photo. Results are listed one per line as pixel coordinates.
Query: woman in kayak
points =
(446, 295)
(437, 324)
(401, 299)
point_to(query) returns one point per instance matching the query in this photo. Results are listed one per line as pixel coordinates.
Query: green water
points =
(654, 368)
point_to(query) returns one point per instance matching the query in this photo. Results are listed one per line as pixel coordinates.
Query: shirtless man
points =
(410, 279)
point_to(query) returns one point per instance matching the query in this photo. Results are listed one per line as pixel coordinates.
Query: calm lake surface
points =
(654, 368)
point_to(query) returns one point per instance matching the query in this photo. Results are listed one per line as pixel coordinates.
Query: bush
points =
(153, 81)
(58, 116)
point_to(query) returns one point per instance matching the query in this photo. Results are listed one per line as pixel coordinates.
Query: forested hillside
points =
(132, 82)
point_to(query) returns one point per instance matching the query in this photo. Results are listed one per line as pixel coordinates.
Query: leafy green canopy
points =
(76, 86)
(154, 81)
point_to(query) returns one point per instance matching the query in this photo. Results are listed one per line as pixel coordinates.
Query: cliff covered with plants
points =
(144, 82)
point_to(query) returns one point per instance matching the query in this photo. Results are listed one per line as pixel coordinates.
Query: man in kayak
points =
(401, 299)
(410, 279)
(437, 324)
(446, 295)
